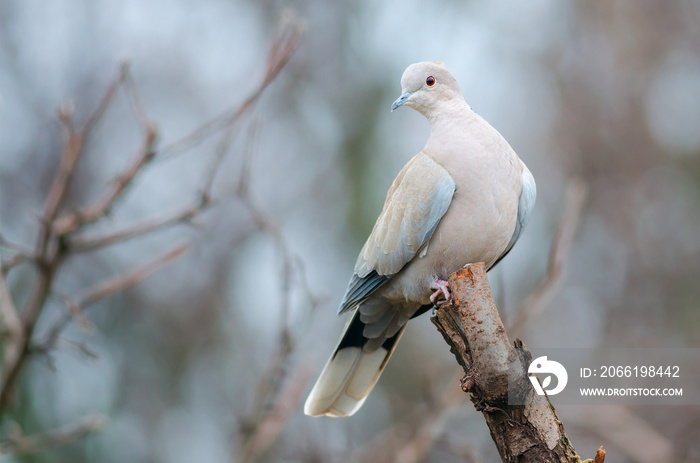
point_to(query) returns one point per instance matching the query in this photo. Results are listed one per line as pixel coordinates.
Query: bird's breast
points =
(477, 226)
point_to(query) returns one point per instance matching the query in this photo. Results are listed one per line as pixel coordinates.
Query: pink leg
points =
(442, 288)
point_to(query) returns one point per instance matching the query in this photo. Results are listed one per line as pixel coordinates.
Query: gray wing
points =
(414, 205)
(525, 205)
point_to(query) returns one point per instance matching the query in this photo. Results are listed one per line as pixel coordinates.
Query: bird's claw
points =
(442, 288)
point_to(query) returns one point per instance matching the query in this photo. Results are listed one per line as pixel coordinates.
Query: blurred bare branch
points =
(18, 444)
(121, 282)
(137, 107)
(536, 302)
(428, 429)
(16, 248)
(277, 393)
(49, 248)
(10, 324)
(266, 431)
(20, 253)
(57, 240)
(103, 206)
(14, 261)
(106, 288)
(107, 98)
(182, 214)
(290, 31)
(410, 440)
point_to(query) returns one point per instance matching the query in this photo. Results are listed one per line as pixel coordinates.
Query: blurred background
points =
(188, 364)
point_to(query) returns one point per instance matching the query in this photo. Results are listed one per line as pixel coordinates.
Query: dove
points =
(465, 198)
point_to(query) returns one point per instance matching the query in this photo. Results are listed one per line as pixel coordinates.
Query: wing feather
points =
(525, 205)
(415, 203)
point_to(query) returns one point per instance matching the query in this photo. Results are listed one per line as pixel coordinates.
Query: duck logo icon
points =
(550, 368)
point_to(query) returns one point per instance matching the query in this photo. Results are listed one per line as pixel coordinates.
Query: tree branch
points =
(49, 248)
(107, 98)
(121, 282)
(496, 370)
(267, 429)
(143, 227)
(48, 255)
(10, 324)
(104, 289)
(55, 238)
(18, 444)
(102, 207)
(288, 36)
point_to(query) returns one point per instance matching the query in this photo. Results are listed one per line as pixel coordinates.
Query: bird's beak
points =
(400, 100)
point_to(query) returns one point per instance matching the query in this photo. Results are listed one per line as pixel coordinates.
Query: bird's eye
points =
(430, 81)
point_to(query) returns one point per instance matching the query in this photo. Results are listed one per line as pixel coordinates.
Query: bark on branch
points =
(496, 369)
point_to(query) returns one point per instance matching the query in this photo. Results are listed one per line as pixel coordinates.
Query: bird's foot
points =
(442, 288)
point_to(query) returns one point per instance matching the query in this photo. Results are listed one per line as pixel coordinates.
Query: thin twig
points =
(14, 261)
(15, 247)
(107, 99)
(18, 444)
(272, 403)
(282, 50)
(10, 323)
(409, 441)
(271, 386)
(55, 241)
(270, 426)
(137, 107)
(48, 253)
(71, 154)
(180, 215)
(121, 282)
(103, 206)
(429, 427)
(576, 193)
(76, 305)
(288, 38)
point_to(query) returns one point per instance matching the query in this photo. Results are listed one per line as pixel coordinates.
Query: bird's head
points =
(426, 87)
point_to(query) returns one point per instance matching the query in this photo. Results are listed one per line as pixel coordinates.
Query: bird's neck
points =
(449, 113)
(451, 118)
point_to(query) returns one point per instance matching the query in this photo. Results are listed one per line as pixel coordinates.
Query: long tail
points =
(351, 372)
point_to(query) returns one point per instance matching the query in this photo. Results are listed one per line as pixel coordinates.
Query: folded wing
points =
(415, 203)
